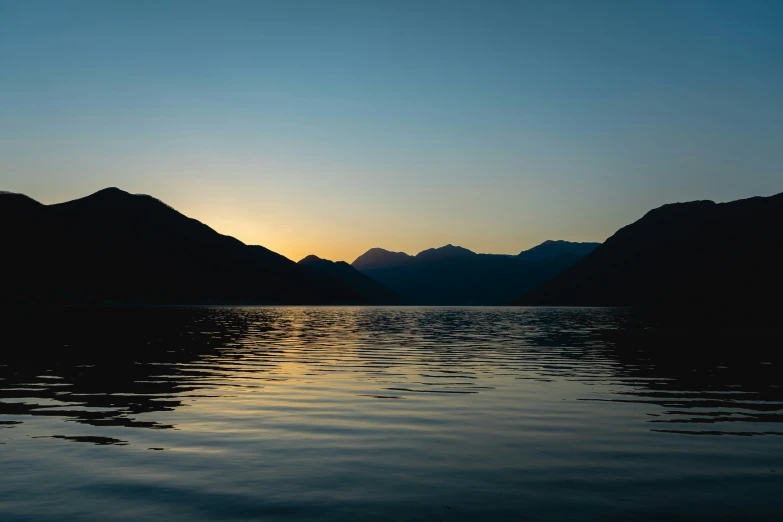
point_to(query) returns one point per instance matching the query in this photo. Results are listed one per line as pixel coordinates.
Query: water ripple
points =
(220, 413)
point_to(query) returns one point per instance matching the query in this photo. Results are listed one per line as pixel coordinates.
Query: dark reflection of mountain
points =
(102, 366)
(108, 366)
(732, 377)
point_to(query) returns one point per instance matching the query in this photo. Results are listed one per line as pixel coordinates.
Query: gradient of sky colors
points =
(332, 127)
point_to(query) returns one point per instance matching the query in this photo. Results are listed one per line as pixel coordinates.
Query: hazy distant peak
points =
(445, 252)
(378, 250)
(381, 258)
(448, 248)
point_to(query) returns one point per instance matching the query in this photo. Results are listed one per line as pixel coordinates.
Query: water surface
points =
(398, 414)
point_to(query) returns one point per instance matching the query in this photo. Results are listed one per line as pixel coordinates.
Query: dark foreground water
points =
(399, 414)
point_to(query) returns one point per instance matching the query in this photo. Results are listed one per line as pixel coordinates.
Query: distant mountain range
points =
(117, 247)
(452, 275)
(684, 255)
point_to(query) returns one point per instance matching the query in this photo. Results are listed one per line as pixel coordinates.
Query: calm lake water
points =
(378, 414)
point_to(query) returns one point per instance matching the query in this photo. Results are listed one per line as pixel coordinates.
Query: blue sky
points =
(333, 127)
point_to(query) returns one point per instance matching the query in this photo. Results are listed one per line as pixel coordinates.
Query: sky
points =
(332, 127)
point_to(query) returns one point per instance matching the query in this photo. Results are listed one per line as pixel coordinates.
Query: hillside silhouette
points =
(452, 275)
(550, 249)
(371, 290)
(115, 247)
(380, 258)
(699, 255)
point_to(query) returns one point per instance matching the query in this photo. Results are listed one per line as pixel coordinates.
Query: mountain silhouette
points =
(550, 249)
(444, 253)
(380, 258)
(453, 275)
(697, 254)
(371, 290)
(116, 247)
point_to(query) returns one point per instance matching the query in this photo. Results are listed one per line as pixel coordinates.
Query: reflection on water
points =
(381, 414)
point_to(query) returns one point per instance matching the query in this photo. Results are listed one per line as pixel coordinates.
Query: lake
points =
(379, 414)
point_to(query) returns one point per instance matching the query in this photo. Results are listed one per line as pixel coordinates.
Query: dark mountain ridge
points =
(453, 275)
(381, 258)
(696, 254)
(113, 246)
(371, 290)
(552, 249)
(444, 253)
